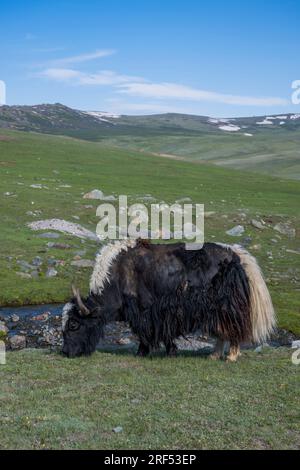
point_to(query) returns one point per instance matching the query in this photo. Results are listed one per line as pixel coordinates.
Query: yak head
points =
(82, 326)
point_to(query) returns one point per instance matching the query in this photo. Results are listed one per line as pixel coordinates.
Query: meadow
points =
(67, 168)
(50, 402)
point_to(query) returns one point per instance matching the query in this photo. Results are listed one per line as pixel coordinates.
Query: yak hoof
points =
(143, 351)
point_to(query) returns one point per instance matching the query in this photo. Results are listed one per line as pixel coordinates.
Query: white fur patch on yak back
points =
(262, 313)
(65, 314)
(104, 260)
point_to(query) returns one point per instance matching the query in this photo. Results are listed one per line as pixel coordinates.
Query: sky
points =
(222, 58)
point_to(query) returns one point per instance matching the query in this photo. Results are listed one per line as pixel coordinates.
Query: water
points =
(32, 310)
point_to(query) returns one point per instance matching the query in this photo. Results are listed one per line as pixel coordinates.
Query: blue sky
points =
(218, 58)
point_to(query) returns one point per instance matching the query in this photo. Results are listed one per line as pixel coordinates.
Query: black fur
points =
(165, 291)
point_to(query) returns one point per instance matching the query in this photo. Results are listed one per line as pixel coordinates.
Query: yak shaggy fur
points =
(164, 291)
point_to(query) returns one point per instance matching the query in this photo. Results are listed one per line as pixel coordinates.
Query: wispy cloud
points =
(142, 88)
(104, 77)
(181, 92)
(84, 57)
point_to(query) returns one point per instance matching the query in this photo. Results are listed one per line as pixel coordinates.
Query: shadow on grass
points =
(132, 350)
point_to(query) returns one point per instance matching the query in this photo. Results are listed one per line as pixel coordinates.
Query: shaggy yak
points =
(165, 291)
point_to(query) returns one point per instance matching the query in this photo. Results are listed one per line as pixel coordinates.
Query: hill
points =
(264, 144)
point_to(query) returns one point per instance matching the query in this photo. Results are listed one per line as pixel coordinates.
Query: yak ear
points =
(83, 309)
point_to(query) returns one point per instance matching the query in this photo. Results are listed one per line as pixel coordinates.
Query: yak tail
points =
(262, 313)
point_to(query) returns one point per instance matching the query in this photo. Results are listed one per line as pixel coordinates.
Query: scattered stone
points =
(23, 275)
(17, 342)
(274, 240)
(135, 401)
(41, 317)
(256, 247)
(80, 252)
(246, 241)
(95, 194)
(51, 272)
(58, 246)
(124, 341)
(49, 235)
(293, 251)
(285, 229)
(24, 265)
(63, 226)
(258, 349)
(183, 199)
(76, 217)
(209, 214)
(89, 206)
(118, 429)
(83, 263)
(35, 274)
(257, 224)
(37, 261)
(236, 231)
(52, 262)
(15, 318)
(296, 344)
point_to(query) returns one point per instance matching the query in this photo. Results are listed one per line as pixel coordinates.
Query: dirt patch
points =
(5, 138)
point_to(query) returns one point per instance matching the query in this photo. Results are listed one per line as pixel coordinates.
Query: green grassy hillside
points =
(67, 168)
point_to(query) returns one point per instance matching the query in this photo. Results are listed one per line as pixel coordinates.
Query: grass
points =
(27, 159)
(49, 402)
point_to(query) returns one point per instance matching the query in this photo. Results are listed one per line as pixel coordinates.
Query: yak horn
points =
(83, 309)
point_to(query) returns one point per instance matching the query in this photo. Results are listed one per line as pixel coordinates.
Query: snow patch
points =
(230, 128)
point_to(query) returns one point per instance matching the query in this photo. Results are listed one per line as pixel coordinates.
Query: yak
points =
(165, 291)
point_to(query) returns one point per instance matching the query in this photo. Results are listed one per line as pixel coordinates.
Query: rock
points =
(24, 265)
(83, 263)
(58, 246)
(236, 231)
(246, 241)
(256, 247)
(49, 235)
(52, 261)
(35, 274)
(15, 318)
(109, 198)
(285, 229)
(76, 217)
(95, 194)
(80, 253)
(64, 226)
(135, 401)
(296, 344)
(258, 349)
(23, 275)
(209, 214)
(37, 261)
(89, 206)
(51, 272)
(41, 317)
(17, 342)
(294, 252)
(124, 341)
(183, 199)
(257, 224)
(118, 429)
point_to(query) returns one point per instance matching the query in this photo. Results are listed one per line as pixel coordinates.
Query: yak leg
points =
(143, 350)
(234, 353)
(219, 350)
(171, 349)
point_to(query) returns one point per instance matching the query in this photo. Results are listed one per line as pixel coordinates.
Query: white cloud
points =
(104, 77)
(181, 92)
(59, 74)
(84, 57)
